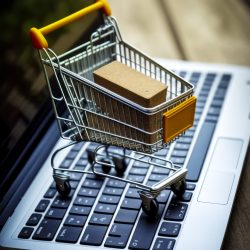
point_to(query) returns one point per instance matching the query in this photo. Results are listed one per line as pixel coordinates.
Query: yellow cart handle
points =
(37, 35)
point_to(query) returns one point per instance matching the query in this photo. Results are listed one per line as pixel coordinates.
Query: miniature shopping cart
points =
(96, 114)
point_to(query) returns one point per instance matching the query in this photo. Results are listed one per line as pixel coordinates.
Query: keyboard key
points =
(109, 199)
(75, 220)
(116, 183)
(94, 235)
(176, 211)
(93, 183)
(160, 170)
(100, 219)
(72, 154)
(105, 208)
(74, 176)
(50, 193)
(66, 163)
(80, 210)
(46, 230)
(136, 178)
(126, 216)
(34, 219)
(169, 229)
(163, 196)
(157, 177)
(55, 213)
(69, 234)
(118, 235)
(162, 153)
(60, 202)
(25, 232)
(190, 186)
(88, 192)
(42, 206)
(145, 231)
(138, 171)
(133, 193)
(199, 152)
(179, 153)
(84, 201)
(164, 244)
(131, 203)
(113, 191)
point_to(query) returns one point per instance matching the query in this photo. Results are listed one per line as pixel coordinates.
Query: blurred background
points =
(206, 31)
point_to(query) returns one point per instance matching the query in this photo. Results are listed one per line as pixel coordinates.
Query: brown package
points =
(117, 110)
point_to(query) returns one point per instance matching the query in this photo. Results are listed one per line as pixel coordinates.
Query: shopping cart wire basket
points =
(96, 114)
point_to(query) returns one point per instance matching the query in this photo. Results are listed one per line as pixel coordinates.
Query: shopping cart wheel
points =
(64, 189)
(179, 188)
(120, 164)
(62, 183)
(105, 167)
(149, 204)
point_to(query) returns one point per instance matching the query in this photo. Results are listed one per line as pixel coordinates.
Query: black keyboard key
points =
(105, 208)
(66, 163)
(55, 213)
(214, 111)
(78, 146)
(169, 229)
(190, 186)
(46, 230)
(25, 232)
(75, 220)
(129, 203)
(80, 210)
(34, 219)
(88, 192)
(69, 234)
(42, 206)
(59, 202)
(116, 183)
(126, 216)
(160, 170)
(176, 211)
(138, 171)
(113, 191)
(157, 177)
(71, 155)
(109, 199)
(164, 244)
(199, 152)
(50, 193)
(133, 193)
(136, 178)
(118, 235)
(163, 196)
(178, 160)
(145, 231)
(93, 183)
(74, 176)
(93, 235)
(84, 201)
(100, 219)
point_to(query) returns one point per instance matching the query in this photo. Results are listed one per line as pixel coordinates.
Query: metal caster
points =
(149, 204)
(120, 164)
(179, 188)
(62, 184)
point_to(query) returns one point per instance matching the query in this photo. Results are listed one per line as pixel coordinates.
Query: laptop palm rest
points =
(220, 175)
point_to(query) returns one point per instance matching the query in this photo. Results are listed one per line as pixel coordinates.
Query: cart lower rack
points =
(94, 113)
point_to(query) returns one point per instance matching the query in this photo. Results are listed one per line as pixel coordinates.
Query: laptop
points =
(105, 213)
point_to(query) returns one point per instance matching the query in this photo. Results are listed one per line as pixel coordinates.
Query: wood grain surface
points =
(207, 31)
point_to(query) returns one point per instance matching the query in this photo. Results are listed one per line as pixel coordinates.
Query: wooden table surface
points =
(206, 31)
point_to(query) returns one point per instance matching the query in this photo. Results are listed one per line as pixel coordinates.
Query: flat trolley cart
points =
(96, 114)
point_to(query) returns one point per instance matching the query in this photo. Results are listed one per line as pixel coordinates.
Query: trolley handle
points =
(37, 35)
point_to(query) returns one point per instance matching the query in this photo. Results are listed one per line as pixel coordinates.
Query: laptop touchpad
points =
(219, 179)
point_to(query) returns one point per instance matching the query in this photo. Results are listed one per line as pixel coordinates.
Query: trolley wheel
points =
(91, 155)
(152, 210)
(106, 168)
(120, 164)
(179, 188)
(64, 188)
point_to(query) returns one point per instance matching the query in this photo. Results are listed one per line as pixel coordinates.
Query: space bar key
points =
(145, 231)
(199, 152)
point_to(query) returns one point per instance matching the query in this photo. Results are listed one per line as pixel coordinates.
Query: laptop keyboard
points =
(108, 212)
